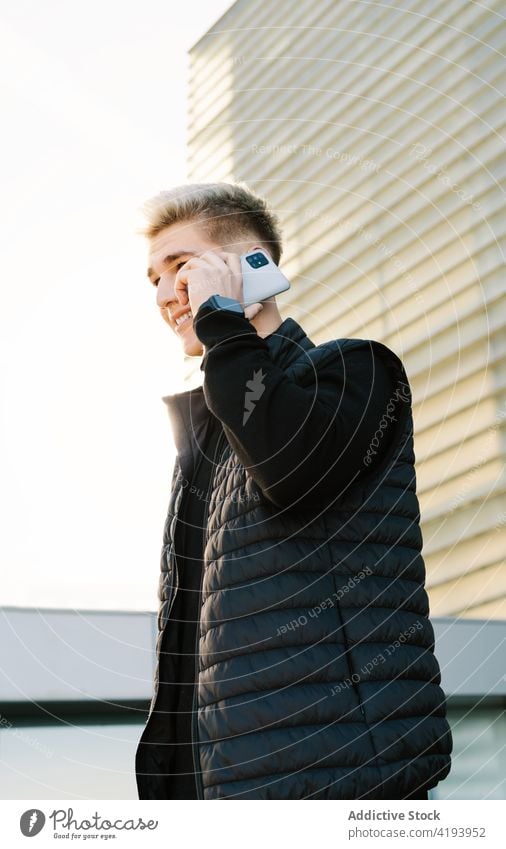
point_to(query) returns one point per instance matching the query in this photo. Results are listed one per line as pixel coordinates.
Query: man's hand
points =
(212, 273)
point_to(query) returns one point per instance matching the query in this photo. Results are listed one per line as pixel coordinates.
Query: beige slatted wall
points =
(377, 132)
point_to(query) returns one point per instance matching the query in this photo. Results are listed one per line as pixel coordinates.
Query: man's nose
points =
(165, 294)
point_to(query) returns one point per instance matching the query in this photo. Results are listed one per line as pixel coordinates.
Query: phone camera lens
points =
(257, 260)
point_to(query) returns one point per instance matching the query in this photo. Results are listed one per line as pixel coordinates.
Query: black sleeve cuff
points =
(215, 326)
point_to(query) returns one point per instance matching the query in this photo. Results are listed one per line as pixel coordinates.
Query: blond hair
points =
(225, 211)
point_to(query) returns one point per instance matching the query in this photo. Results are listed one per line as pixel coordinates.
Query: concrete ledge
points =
(52, 656)
(76, 655)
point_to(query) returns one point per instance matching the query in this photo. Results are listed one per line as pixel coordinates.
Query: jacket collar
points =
(287, 342)
(188, 411)
(285, 345)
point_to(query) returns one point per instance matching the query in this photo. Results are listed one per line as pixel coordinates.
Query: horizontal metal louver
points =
(377, 134)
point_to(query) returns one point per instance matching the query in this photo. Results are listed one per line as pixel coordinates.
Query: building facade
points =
(377, 135)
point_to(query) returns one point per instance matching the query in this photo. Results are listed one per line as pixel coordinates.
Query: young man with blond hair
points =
(295, 654)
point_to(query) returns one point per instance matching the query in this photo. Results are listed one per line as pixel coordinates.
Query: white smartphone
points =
(261, 277)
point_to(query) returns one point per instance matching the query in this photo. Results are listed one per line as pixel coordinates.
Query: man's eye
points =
(179, 264)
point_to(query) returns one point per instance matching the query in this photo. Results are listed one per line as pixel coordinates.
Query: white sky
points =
(94, 122)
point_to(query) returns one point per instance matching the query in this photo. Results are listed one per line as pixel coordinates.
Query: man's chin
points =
(192, 346)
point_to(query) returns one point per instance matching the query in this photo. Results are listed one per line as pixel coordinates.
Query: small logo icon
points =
(256, 390)
(31, 822)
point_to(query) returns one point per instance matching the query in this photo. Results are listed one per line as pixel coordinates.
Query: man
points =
(295, 653)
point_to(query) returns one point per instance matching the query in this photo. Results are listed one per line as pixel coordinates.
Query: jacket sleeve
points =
(299, 444)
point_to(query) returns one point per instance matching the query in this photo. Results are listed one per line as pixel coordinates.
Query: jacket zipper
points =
(171, 605)
(351, 672)
(194, 726)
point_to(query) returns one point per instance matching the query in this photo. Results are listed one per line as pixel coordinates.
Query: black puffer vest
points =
(317, 675)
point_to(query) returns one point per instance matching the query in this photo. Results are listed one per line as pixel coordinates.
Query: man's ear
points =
(261, 248)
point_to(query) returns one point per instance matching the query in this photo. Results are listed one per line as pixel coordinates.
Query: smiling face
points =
(169, 250)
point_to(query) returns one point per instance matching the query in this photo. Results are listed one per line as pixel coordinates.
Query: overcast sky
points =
(94, 122)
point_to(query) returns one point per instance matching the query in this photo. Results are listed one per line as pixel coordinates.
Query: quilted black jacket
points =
(317, 675)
